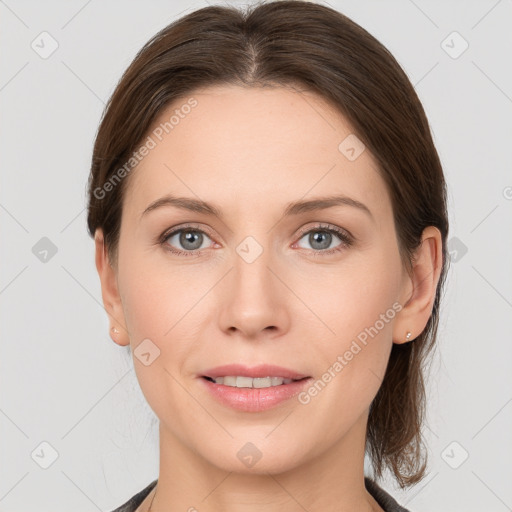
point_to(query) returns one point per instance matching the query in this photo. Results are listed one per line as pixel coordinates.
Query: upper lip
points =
(263, 370)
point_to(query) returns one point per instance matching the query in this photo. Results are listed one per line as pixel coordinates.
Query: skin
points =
(250, 152)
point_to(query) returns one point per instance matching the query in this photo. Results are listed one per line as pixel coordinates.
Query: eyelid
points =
(183, 227)
(328, 227)
(300, 233)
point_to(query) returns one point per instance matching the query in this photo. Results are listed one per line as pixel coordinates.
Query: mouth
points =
(242, 393)
(253, 389)
(240, 381)
(261, 376)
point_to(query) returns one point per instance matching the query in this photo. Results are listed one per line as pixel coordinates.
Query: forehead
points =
(252, 144)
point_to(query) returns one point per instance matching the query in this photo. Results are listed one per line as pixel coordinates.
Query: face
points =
(314, 290)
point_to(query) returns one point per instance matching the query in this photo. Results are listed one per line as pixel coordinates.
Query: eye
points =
(321, 238)
(190, 238)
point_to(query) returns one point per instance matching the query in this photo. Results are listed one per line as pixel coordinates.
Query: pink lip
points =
(263, 370)
(254, 399)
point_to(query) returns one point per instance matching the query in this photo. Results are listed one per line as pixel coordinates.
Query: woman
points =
(269, 214)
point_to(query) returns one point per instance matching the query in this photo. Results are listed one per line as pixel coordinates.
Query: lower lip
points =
(254, 399)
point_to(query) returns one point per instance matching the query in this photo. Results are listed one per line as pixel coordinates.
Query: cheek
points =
(165, 304)
(356, 294)
(359, 305)
(146, 306)
(156, 295)
(158, 305)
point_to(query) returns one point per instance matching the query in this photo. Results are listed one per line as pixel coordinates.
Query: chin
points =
(253, 457)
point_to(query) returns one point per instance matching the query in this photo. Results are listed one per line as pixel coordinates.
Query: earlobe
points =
(109, 291)
(426, 271)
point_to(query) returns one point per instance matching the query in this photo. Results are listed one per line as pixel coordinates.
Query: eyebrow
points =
(294, 208)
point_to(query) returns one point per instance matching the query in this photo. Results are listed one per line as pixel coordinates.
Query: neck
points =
(332, 480)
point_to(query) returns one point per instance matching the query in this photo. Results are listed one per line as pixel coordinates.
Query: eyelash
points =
(346, 239)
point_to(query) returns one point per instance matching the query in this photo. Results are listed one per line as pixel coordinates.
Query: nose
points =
(254, 300)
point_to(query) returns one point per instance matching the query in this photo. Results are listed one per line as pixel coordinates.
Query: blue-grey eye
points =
(319, 239)
(188, 239)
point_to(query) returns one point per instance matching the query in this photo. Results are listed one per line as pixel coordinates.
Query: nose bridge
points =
(253, 301)
(251, 268)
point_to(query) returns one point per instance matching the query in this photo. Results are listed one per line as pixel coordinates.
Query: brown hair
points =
(286, 43)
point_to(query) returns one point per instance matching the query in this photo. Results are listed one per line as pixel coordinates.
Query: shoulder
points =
(132, 504)
(385, 500)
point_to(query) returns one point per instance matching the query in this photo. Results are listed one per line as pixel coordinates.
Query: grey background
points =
(63, 380)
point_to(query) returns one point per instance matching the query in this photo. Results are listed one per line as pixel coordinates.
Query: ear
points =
(419, 290)
(109, 291)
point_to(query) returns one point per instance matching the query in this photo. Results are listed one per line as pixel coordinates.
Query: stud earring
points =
(409, 334)
(114, 330)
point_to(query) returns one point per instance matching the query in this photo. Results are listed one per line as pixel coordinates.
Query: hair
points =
(291, 43)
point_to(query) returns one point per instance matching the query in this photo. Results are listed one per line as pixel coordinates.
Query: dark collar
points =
(386, 501)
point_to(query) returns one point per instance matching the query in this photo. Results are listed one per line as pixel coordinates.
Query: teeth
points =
(249, 382)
